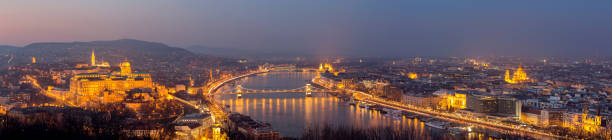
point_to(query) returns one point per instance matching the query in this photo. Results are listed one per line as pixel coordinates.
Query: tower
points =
(210, 75)
(126, 69)
(507, 77)
(329, 67)
(190, 81)
(33, 60)
(308, 88)
(321, 67)
(93, 58)
(239, 91)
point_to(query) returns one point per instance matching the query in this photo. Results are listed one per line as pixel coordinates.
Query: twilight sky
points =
(369, 27)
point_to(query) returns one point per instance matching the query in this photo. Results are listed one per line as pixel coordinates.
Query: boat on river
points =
(352, 103)
(437, 124)
(394, 114)
(363, 104)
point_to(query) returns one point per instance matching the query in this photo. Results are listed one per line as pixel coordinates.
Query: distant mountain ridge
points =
(6, 49)
(236, 52)
(6, 54)
(113, 51)
(217, 51)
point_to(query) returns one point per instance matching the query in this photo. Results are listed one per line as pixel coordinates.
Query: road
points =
(216, 110)
(34, 83)
(502, 127)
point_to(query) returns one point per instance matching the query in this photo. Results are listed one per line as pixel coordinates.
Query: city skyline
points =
(308, 70)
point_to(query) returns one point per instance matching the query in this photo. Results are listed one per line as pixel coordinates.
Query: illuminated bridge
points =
(291, 68)
(217, 110)
(307, 89)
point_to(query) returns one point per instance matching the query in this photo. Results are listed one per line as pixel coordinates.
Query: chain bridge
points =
(306, 89)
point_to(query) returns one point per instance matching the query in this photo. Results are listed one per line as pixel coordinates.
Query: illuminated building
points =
(495, 105)
(93, 61)
(210, 76)
(590, 123)
(413, 75)
(252, 129)
(320, 67)
(453, 99)
(93, 58)
(393, 92)
(33, 60)
(96, 84)
(126, 69)
(348, 82)
(519, 76)
(430, 101)
(584, 121)
(457, 101)
(509, 107)
(481, 104)
(326, 67)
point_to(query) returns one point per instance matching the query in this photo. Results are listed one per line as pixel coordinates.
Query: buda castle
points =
(96, 83)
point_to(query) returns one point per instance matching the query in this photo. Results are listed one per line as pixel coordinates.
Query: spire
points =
(210, 76)
(190, 81)
(321, 67)
(93, 58)
(586, 109)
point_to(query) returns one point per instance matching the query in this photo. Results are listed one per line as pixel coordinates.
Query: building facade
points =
(92, 84)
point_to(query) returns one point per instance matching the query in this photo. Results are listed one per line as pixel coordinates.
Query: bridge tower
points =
(308, 88)
(239, 91)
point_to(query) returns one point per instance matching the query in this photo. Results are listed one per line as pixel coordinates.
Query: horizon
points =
(243, 51)
(194, 49)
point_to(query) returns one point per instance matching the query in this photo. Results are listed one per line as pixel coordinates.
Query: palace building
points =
(95, 84)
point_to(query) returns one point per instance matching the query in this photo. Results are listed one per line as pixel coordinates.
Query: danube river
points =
(291, 113)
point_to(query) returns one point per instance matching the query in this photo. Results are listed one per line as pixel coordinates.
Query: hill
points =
(232, 52)
(6, 54)
(141, 53)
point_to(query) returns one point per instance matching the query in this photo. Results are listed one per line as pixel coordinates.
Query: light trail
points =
(34, 82)
(512, 129)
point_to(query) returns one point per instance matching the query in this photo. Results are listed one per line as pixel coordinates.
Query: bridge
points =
(289, 68)
(306, 89)
(218, 112)
(292, 69)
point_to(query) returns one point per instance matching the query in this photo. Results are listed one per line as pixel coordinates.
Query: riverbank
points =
(290, 113)
(443, 116)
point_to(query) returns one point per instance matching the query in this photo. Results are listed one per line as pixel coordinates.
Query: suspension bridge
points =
(306, 89)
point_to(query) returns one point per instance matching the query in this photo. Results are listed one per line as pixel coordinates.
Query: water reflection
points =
(290, 113)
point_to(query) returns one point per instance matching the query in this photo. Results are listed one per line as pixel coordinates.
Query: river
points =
(291, 113)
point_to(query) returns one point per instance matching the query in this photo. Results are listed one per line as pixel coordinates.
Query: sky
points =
(364, 27)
